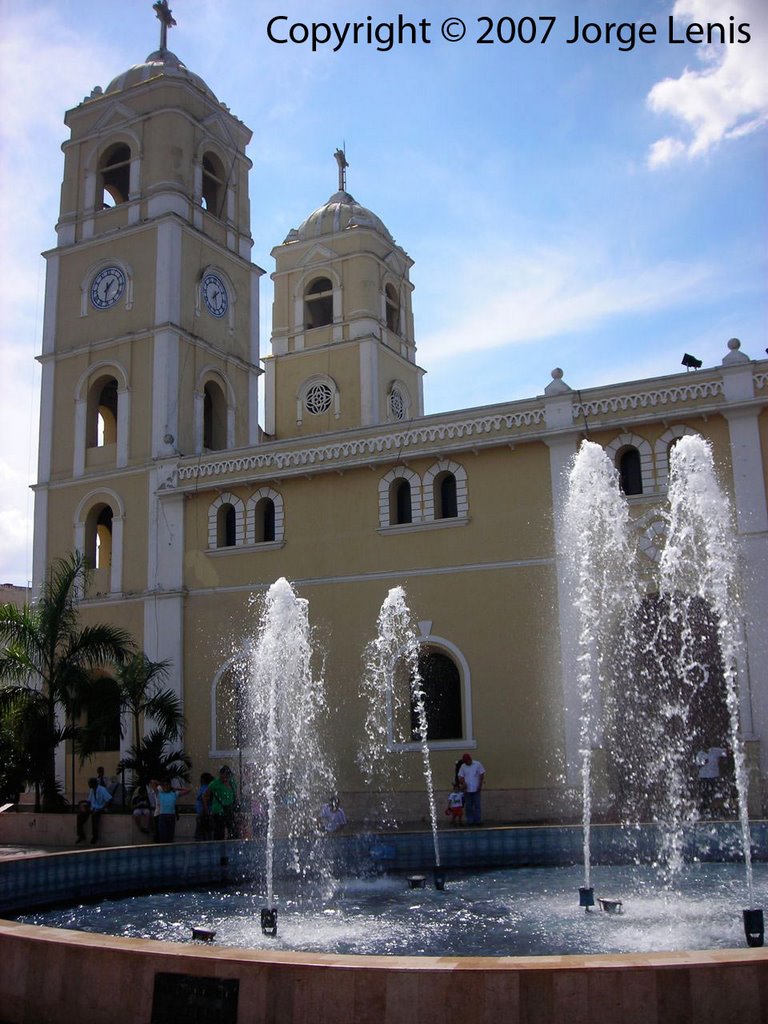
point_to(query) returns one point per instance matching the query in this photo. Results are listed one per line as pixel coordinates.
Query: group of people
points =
(155, 806)
(155, 809)
(464, 800)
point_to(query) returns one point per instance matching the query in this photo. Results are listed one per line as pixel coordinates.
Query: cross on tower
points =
(163, 12)
(341, 160)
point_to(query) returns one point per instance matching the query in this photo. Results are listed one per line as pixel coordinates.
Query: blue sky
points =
(565, 204)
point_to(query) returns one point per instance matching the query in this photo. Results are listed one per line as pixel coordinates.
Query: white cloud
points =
(727, 96)
(515, 300)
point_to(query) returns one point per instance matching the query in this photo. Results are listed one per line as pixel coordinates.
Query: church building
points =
(156, 461)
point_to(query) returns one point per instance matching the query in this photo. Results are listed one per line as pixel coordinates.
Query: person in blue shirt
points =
(93, 808)
(166, 797)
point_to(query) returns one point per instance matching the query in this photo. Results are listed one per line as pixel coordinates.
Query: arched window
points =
(392, 303)
(264, 521)
(103, 716)
(318, 303)
(214, 179)
(226, 526)
(441, 685)
(446, 504)
(400, 507)
(101, 426)
(400, 498)
(630, 471)
(115, 170)
(229, 727)
(446, 494)
(226, 522)
(670, 685)
(214, 417)
(98, 536)
(265, 518)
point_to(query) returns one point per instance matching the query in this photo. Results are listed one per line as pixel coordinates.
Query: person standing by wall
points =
(219, 800)
(203, 823)
(471, 776)
(166, 797)
(98, 798)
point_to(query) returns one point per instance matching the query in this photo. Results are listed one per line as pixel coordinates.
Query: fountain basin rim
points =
(9, 930)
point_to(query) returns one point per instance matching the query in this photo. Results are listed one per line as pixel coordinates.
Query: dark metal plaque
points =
(189, 999)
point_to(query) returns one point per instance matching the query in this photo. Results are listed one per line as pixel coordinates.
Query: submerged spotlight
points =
(203, 934)
(586, 897)
(611, 906)
(439, 877)
(691, 362)
(754, 927)
(417, 881)
(269, 921)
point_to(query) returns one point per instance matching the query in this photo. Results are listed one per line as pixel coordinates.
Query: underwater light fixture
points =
(611, 906)
(269, 921)
(754, 927)
(586, 897)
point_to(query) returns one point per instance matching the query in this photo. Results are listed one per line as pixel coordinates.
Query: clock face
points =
(215, 295)
(107, 287)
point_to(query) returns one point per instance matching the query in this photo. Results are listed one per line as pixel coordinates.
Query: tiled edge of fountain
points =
(53, 975)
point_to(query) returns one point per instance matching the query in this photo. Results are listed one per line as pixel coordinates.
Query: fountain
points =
(285, 703)
(648, 654)
(392, 691)
(597, 533)
(511, 915)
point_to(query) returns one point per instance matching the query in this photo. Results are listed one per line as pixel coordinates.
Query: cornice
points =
(471, 429)
(129, 230)
(366, 448)
(651, 398)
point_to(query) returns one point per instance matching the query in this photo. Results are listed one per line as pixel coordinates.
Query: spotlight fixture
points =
(269, 921)
(691, 362)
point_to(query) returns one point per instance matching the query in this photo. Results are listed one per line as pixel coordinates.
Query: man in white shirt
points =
(471, 776)
(709, 763)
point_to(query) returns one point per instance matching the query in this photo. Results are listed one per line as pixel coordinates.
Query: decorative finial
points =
(165, 16)
(341, 160)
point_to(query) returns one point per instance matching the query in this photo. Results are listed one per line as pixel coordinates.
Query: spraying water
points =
(286, 703)
(699, 563)
(659, 672)
(392, 659)
(597, 533)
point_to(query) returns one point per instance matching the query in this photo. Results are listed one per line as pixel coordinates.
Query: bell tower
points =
(343, 349)
(150, 343)
(150, 340)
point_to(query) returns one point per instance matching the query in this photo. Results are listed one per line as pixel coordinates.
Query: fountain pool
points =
(518, 912)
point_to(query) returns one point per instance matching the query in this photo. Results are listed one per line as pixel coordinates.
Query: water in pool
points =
(520, 912)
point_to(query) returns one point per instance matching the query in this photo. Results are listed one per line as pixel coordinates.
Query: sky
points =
(597, 204)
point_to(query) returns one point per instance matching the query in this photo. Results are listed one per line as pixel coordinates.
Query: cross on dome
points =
(341, 160)
(165, 16)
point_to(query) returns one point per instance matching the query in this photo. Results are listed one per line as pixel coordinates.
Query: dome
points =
(341, 212)
(161, 62)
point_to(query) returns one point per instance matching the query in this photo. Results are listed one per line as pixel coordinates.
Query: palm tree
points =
(149, 758)
(46, 662)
